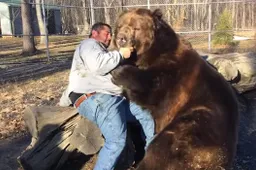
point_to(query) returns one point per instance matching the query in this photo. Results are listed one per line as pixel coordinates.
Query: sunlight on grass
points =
(16, 96)
(11, 48)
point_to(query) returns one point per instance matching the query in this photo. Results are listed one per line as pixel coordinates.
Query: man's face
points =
(103, 36)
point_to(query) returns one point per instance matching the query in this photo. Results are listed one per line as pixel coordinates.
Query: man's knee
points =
(117, 145)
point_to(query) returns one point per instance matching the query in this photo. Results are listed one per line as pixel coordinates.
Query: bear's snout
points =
(121, 40)
(125, 37)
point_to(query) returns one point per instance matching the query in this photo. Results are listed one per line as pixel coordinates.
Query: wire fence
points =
(69, 22)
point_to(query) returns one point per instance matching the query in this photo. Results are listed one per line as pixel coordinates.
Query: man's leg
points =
(145, 119)
(110, 118)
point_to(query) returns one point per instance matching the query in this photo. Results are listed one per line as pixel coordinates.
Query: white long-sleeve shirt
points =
(90, 69)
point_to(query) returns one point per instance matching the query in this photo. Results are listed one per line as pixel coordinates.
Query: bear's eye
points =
(136, 29)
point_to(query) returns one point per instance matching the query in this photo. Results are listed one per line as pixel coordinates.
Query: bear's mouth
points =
(123, 40)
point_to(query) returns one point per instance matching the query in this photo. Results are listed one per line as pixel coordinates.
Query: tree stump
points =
(56, 132)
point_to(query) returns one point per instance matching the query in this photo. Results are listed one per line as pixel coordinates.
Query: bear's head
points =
(147, 32)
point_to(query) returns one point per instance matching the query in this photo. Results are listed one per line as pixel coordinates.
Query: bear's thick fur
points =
(195, 109)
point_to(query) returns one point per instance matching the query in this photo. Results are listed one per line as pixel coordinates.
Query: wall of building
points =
(57, 18)
(11, 22)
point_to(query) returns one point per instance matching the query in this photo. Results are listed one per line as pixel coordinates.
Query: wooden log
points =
(87, 137)
(56, 132)
(37, 118)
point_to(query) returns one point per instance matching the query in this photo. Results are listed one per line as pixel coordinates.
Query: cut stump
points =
(56, 132)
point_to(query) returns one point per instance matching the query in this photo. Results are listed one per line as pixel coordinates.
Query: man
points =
(91, 90)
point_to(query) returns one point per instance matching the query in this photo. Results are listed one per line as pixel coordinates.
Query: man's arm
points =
(98, 60)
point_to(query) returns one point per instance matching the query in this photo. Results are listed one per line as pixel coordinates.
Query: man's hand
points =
(126, 51)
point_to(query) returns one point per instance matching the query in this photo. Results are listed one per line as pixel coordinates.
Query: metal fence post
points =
(46, 33)
(148, 3)
(210, 25)
(92, 12)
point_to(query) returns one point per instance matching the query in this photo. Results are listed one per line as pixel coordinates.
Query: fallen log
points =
(58, 131)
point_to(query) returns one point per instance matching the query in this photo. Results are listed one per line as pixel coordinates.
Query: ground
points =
(16, 96)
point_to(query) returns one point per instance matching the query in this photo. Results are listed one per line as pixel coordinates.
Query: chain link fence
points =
(68, 22)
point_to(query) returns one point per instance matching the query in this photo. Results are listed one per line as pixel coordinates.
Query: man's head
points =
(101, 32)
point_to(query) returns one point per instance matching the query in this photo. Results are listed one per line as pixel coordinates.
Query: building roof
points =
(11, 2)
(18, 2)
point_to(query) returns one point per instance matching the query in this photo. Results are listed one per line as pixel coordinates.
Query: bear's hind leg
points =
(185, 144)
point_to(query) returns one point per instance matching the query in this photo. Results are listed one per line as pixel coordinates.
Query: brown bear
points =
(195, 109)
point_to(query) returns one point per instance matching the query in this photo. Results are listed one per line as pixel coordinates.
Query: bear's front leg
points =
(132, 78)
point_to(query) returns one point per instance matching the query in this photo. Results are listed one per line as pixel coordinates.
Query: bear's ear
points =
(157, 14)
(157, 17)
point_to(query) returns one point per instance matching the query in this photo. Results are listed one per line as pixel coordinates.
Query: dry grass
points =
(11, 48)
(200, 41)
(16, 96)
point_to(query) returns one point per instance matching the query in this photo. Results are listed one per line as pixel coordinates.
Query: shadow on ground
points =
(10, 150)
(15, 72)
(246, 149)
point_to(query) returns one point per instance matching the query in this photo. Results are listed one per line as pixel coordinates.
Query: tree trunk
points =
(86, 24)
(233, 13)
(252, 15)
(243, 16)
(42, 27)
(106, 12)
(107, 16)
(107, 4)
(237, 13)
(195, 16)
(28, 36)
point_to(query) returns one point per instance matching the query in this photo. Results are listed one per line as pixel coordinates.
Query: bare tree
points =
(253, 16)
(195, 15)
(15, 13)
(86, 24)
(107, 4)
(28, 37)
(183, 14)
(42, 28)
(243, 15)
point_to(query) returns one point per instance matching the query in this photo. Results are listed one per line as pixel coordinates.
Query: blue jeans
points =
(108, 112)
(135, 112)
